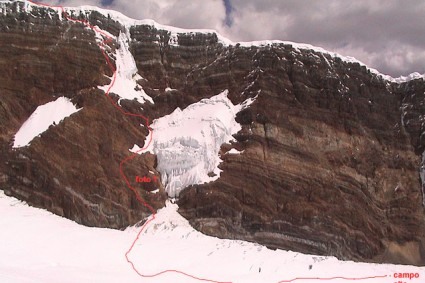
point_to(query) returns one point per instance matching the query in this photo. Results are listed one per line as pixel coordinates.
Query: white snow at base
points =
(125, 85)
(187, 141)
(38, 246)
(42, 118)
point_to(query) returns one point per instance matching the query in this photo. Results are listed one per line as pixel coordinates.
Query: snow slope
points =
(37, 246)
(187, 141)
(42, 118)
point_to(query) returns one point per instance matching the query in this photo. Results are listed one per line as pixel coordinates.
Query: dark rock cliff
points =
(331, 151)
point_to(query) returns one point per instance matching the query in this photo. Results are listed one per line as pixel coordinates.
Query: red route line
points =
(129, 158)
(332, 278)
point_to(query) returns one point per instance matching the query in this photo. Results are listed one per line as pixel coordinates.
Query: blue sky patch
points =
(229, 9)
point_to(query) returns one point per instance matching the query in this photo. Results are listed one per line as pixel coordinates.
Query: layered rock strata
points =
(331, 155)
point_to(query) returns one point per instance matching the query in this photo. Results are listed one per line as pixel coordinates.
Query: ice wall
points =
(187, 141)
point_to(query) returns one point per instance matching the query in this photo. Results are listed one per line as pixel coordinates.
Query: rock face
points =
(73, 168)
(331, 151)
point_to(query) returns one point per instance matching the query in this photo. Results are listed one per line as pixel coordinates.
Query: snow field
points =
(37, 246)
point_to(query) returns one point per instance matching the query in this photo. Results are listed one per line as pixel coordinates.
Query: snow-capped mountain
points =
(278, 143)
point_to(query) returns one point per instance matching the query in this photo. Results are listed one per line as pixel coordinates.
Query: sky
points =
(388, 35)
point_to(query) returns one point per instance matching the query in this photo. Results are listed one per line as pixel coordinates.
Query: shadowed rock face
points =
(331, 152)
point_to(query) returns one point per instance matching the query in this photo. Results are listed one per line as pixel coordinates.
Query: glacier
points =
(187, 142)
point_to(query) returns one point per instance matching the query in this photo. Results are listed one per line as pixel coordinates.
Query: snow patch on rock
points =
(422, 175)
(234, 151)
(49, 114)
(125, 84)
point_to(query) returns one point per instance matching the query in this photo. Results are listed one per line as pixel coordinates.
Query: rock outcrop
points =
(331, 150)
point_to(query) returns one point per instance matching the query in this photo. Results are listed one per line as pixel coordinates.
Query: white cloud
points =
(72, 3)
(180, 13)
(208, 14)
(384, 34)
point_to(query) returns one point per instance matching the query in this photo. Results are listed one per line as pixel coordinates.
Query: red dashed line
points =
(308, 279)
(129, 158)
